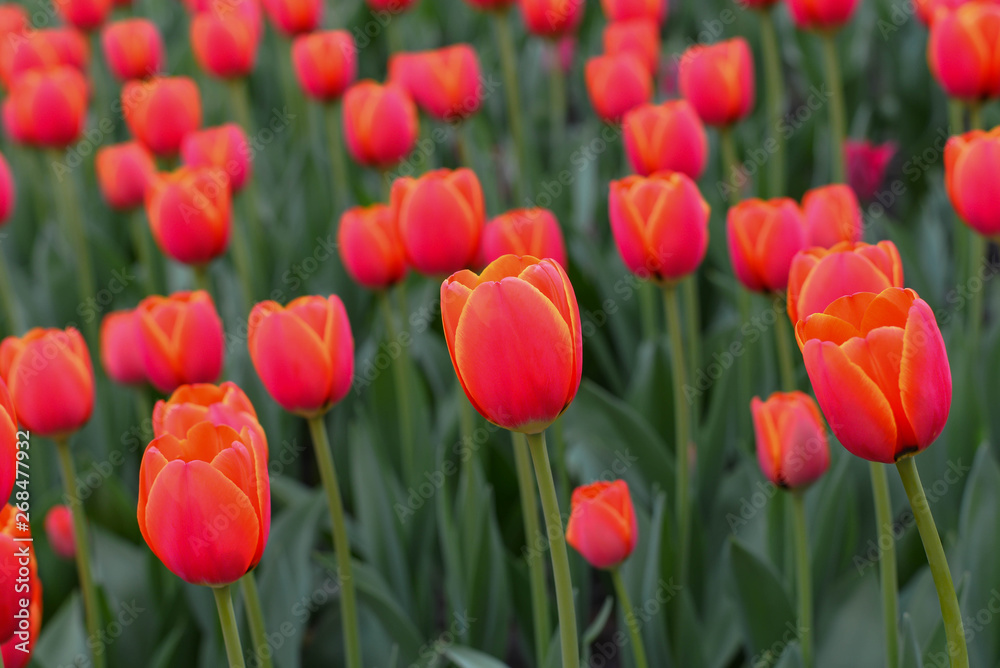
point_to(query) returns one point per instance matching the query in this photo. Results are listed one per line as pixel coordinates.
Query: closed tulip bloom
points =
(160, 112)
(445, 83)
(11, 562)
(224, 404)
(180, 339)
(51, 380)
(552, 18)
(294, 17)
(225, 45)
(380, 123)
(533, 232)
(880, 371)
(59, 530)
(617, 84)
(602, 524)
(515, 341)
(83, 15)
(123, 172)
(205, 503)
(866, 165)
(718, 81)
(8, 193)
(190, 213)
(763, 238)
(821, 14)
(326, 63)
(120, 354)
(369, 246)
(47, 107)
(42, 50)
(971, 173)
(224, 147)
(440, 218)
(133, 49)
(963, 52)
(791, 439)
(638, 36)
(13, 19)
(8, 444)
(832, 215)
(626, 10)
(665, 137)
(660, 225)
(303, 352)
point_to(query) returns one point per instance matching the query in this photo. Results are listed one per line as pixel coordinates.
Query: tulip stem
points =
(399, 372)
(536, 573)
(630, 619)
(70, 211)
(786, 362)
(143, 251)
(91, 611)
(977, 246)
(508, 65)
(557, 545)
(238, 96)
(775, 87)
(838, 117)
(975, 116)
(951, 613)
(557, 100)
(242, 259)
(887, 562)
(692, 311)
(647, 306)
(730, 164)
(348, 603)
(255, 617)
(10, 306)
(681, 429)
(230, 632)
(804, 578)
(202, 281)
(338, 164)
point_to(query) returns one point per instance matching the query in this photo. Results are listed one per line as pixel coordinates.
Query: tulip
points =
(369, 246)
(47, 107)
(602, 524)
(824, 15)
(294, 17)
(8, 193)
(11, 598)
(971, 166)
(445, 83)
(718, 81)
(638, 36)
(120, 354)
(930, 10)
(380, 123)
(818, 276)
(627, 10)
(660, 225)
(393, 6)
(41, 50)
(763, 238)
(665, 137)
(160, 112)
(8, 446)
(224, 147)
(617, 84)
(791, 440)
(552, 18)
(13, 19)
(205, 503)
(59, 530)
(189, 213)
(221, 405)
(225, 45)
(832, 214)
(866, 165)
(964, 54)
(123, 172)
(440, 218)
(533, 232)
(303, 352)
(325, 63)
(133, 49)
(180, 339)
(85, 15)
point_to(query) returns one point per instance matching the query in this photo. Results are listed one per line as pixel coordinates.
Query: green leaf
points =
(767, 610)
(470, 658)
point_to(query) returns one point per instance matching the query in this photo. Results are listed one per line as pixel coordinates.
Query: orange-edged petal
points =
(924, 375)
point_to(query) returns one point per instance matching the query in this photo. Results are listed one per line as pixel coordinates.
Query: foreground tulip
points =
(665, 137)
(445, 83)
(822, 14)
(160, 112)
(718, 81)
(47, 107)
(325, 63)
(224, 45)
(602, 524)
(123, 172)
(551, 18)
(369, 246)
(120, 354)
(791, 439)
(439, 217)
(617, 11)
(294, 17)
(380, 123)
(133, 49)
(13, 19)
(763, 238)
(638, 36)
(180, 339)
(832, 214)
(866, 165)
(534, 232)
(42, 50)
(8, 446)
(221, 405)
(971, 168)
(189, 212)
(225, 147)
(963, 52)
(617, 84)
(59, 530)
(20, 609)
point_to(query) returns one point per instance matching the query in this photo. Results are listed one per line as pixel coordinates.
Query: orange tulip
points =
(221, 405)
(866, 165)
(120, 354)
(303, 352)
(133, 49)
(20, 609)
(718, 81)
(445, 83)
(971, 168)
(160, 112)
(763, 238)
(440, 218)
(51, 380)
(224, 44)
(83, 14)
(627, 10)
(8, 444)
(13, 19)
(47, 107)
(832, 214)
(819, 276)
(880, 371)
(180, 339)
(660, 225)
(123, 173)
(552, 18)
(533, 232)
(189, 212)
(617, 84)
(59, 530)
(639, 36)
(369, 246)
(602, 524)
(665, 137)
(294, 17)
(205, 503)
(822, 15)
(514, 336)
(8, 193)
(42, 50)
(224, 147)
(791, 439)
(963, 52)
(325, 63)
(380, 123)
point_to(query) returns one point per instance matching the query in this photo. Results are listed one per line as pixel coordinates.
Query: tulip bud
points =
(964, 54)
(123, 172)
(638, 36)
(325, 63)
(533, 232)
(59, 530)
(617, 11)
(825, 15)
(660, 225)
(160, 112)
(8, 193)
(120, 354)
(440, 218)
(791, 439)
(225, 46)
(15, 539)
(393, 6)
(445, 83)
(514, 336)
(602, 524)
(763, 238)
(189, 212)
(832, 214)
(47, 107)
(665, 137)
(42, 50)
(866, 165)
(303, 352)
(294, 17)
(380, 123)
(971, 169)
(133, 49)
(880, 371)
(552, 18)
(51, 380)
(8, 447)
(369, 246)
(617, 84)
(224, 147)
(221, 405)
(205, 503)
(180, 339)
(83, 14)
(718, 81)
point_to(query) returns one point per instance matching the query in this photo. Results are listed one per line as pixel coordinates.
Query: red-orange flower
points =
(380, 123)
(763, 238)
(120, 353)
(971, 172)
(123, 172)
(626, 10)
(19, 624)
(83, 14)
(718, 81)
(639, 36)
(42, 50)
(602, 524)
(180, 339)
(224, 44)
(8, 445)
(189, 212)
(59, 531)
(964, 53)
(325, 63)
(160, 112)
(552, 18)
(224, 147)
(294, 17)
(222, 405)
(445, 83)
(866, 165)
(822, 14)
(665, 137)
(533, 232)
(832, 214)
(791, 439)
(47, 107)
(369, 246)
(617, 84)
(133, 49)
(8, 193)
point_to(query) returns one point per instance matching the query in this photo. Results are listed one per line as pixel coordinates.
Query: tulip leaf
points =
(596, 626)
(910, 654)
(767, 610)
(464, 657)
(63, 637)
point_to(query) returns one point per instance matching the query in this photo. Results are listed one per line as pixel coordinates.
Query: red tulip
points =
(440, 218)
(59, 530)
(602, 524)
(791, 439)
(665, 137)
(180, 339)
(930, 10)
(325, 63)
(380, 123)
(189, 212)
(822, 15)
(42, 50)
(514, 336)
(133, 49)
(205, 503)
(160, 112)
(866, 165)
(123, 172)
(718, 81)
(8, 193)
(13, 19)
(83, 14)
(533, 232)
(638, 36)
(47, 107)
(832, 214)
(617, 84)
(8, 446)
(552, 18)
(294, 17)
(963, 52)
(369, 246)
(120, 354)
(971, 171)
(16, 555)
(225, 45)
(221, 405)
(880, 371)
(763, 238)
(626, 10)
(51, 380)
(224, 147)
(660, 225)
(445, 83)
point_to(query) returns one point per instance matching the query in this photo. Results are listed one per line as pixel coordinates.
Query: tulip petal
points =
(879, 355)
(835, 276)
(292, 362)
(600, 533)
(888, 309)
(924, 375)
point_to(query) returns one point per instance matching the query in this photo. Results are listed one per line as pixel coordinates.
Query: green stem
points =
(975, 116)
(139, 230)
(562, 475)
(242, 258)
(529, 511)
(951, 613)
(202, 281)
(399, 372)
(682, 434)
(12, 313)
(557, 102)
(348, 603)
(71, 212)
(91, 611)
(255, 617)
(887, 562)
(730, 163)
(462, 146)
(238, 98)
(744, 385)
(466, 420)
(692, 325)
(647, 310)
(804, 578)
(977, 246)
(338, 160)
(630, 619)
(786, 362)
(775, 90)
(557, 544)
(393, 40)
(838, 117)
(956, 116)
(508, 65)
(230, 631)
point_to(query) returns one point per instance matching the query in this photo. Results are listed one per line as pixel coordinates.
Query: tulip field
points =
(499, 333)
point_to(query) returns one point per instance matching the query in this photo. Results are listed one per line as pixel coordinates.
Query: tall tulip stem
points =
(730, 164)
(508, 66)
(557, 545)
(887, 562)
(804, 576)
(838, 117)
(630, 620)
(202, 281)
(141, 245)
(682, 429)
(557, 101)
(399, 372)
(348, 600)
(786, 363)
(230, 631)
(951, 613)
(338, 160)
(255, 617)
(12, 316)
(977, 246)
(775, 90)
(70, 211)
